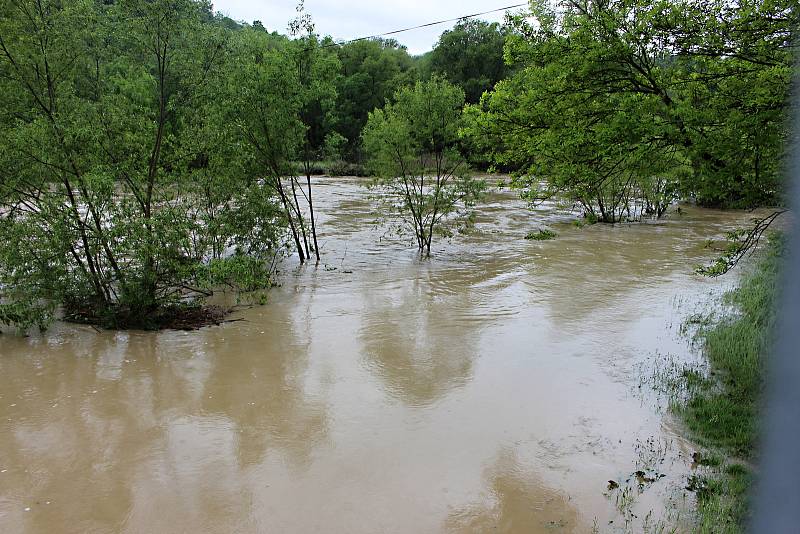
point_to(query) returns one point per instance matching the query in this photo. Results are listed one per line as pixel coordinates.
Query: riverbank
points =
(722, 408)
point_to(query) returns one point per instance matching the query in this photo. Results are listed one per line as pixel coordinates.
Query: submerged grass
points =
(541, 235)
(722, 408)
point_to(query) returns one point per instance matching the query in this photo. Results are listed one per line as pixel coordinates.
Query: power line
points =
(428, 25)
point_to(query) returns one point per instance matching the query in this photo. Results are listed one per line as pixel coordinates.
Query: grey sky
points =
(349, 19)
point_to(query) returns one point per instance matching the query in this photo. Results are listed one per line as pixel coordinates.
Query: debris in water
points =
(643, 479)
(612, 485)
(696, 484)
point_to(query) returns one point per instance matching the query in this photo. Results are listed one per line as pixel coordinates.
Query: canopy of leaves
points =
(471, 56)
(622, 104)
(372, 71)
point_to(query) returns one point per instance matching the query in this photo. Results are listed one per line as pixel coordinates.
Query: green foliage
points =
(739, 243)
(471, 57)
(119, 182)
(342, 168)
(723, 500)
(541, 235)
(372, 71)
(737, 348)
(412, 148)
(260, 111)
(317, 66)
(722, 409)
(242, 273)
(620, 106)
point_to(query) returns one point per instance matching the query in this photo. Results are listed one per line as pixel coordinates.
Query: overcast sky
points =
(349, 19)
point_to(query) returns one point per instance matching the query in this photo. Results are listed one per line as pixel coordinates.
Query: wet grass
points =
(721, 409)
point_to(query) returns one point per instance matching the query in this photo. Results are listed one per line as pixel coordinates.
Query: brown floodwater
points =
(498, 386)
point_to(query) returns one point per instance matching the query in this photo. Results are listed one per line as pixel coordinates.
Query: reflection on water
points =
(491, 388)
(517, 502)
(412, 342)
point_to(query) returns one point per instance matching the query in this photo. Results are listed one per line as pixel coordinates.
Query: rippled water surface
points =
(494, 387)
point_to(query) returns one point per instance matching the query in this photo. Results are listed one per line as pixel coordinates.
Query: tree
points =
(111, 208)
(471, 56)
(317, 69)
(412, 149)
(372, 71)
(621, 105)
(260, 105)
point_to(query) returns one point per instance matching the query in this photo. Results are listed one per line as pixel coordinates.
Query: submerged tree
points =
(412, 145)
(111, 204)
(317, 67)
(260, 104)
(622, 105)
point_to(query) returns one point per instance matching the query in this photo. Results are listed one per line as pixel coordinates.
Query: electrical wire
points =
(428, 25)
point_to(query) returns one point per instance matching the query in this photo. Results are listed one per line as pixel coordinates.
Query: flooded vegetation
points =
(495, 386)
(519, 317)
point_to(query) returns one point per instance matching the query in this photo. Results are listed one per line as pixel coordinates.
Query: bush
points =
(541, 235)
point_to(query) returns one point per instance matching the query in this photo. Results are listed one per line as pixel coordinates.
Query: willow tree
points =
(413, 148)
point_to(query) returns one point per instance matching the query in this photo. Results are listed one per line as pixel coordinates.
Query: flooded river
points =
(495, 387)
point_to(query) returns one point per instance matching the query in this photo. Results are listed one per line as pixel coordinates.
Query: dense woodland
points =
(152, 151)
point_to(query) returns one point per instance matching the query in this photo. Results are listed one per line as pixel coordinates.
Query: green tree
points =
(412, 145)
(110, 207)
(260, 102)
(471, 56)
(621, 105)
(317, 67)
(372, 70)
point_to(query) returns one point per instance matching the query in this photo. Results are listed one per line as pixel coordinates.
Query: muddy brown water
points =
(494, 387)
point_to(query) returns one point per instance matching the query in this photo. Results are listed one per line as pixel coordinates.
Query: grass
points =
(722, 409)
(723, 506)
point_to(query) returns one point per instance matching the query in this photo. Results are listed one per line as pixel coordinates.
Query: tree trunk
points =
(287, 209)
(300, 218)
(313, 220)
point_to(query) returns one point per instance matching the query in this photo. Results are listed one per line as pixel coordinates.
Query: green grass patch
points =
(723, 506)
(722, 410)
